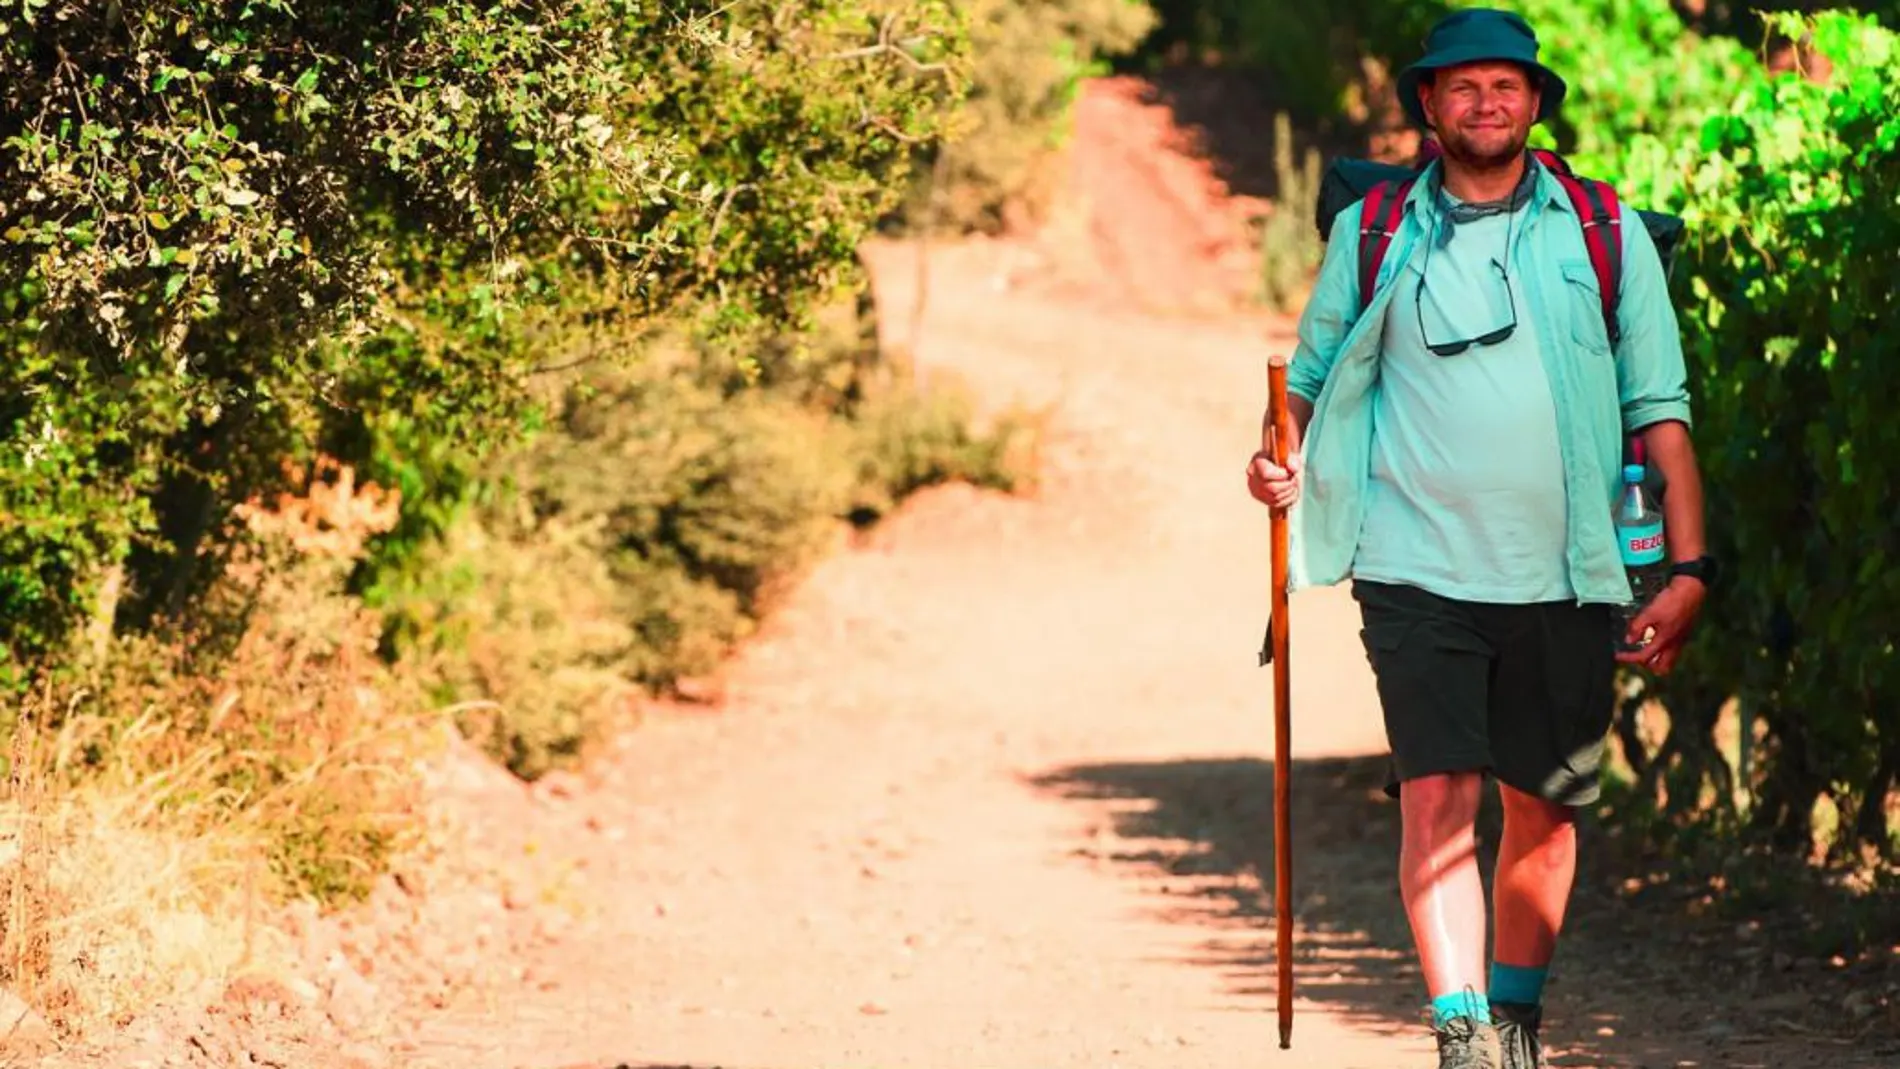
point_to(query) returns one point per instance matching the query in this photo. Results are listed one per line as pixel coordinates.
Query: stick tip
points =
(1279, 359)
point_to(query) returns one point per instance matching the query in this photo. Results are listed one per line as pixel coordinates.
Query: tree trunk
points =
(1787, 797)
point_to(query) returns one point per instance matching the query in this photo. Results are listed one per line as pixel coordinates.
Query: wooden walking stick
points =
(1276, 653)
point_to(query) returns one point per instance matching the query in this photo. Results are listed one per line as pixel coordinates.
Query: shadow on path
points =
(1633, 986)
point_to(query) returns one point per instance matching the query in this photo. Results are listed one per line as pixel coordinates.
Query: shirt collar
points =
(1423, 204)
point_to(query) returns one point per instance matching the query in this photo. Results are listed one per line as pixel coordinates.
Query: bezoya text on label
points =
(1644, 544)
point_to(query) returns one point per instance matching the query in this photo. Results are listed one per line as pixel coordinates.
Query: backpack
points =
(1383, 188)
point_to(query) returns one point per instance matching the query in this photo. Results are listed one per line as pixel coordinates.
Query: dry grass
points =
(108, 915)
(163, 793)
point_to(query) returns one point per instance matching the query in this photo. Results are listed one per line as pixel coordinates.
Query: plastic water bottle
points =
(1639, 534)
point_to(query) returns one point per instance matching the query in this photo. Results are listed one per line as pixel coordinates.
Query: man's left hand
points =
(1672, 613)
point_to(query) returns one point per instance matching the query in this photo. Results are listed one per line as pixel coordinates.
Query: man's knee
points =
(1537, 817)
(1440, 807)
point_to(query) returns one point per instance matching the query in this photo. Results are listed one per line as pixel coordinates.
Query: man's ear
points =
(1425, 103)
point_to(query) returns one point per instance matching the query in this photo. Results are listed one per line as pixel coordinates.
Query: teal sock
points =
(1466, 1003)
(1517, 984)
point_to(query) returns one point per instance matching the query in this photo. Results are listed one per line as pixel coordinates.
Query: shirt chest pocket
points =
(1582, 305)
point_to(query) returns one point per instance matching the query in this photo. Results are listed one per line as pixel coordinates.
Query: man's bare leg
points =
(1537, 863)
(1440, 882)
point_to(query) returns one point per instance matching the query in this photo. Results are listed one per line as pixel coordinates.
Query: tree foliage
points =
(1637, 80)
(1792, 193)
(228, 230)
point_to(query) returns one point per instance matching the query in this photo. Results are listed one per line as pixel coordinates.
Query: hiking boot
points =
(1517, 1026)
(1464, 1044)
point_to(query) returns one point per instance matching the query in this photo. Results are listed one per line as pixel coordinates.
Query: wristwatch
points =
(1703, 569)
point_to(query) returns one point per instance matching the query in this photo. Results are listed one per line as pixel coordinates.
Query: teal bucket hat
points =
(1476, 35)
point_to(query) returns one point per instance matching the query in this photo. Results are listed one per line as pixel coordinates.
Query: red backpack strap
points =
(1378, 221)
(1601, 216)
(1556, 164)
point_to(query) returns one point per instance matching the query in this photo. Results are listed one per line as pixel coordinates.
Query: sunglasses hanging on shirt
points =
(1490, 338)
(1464, 213)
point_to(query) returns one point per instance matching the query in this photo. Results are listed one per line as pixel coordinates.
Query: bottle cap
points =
(1633, 473)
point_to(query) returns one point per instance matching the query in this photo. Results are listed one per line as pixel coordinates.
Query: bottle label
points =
(1641, 545)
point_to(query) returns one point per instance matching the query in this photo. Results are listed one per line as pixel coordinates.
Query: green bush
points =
(1638, 78)
(518, 634)
(192, 195)
(1792, 194)
(801, 122)
(654, 522)
(620, 547)
(230, 232)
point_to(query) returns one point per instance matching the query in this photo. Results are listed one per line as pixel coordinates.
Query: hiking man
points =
(1462, 439)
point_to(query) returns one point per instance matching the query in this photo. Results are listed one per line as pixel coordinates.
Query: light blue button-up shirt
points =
(1600, 394)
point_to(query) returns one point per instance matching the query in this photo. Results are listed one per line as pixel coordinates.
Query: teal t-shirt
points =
(1465, 495)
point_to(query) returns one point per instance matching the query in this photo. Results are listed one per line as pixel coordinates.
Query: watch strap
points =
(1702, 568)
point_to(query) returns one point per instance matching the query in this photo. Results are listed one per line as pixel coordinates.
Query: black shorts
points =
(1524, 692)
